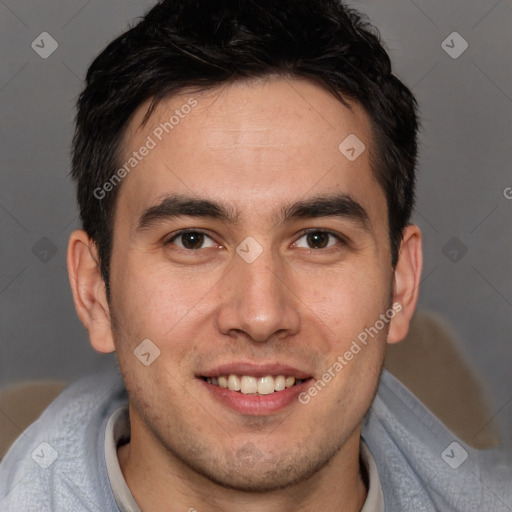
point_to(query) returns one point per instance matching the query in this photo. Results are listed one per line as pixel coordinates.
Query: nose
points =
(258, 301)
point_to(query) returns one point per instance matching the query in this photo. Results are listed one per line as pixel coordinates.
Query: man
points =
(245, 175)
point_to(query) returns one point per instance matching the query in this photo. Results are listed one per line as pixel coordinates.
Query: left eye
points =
(192, 240)
(317, 240)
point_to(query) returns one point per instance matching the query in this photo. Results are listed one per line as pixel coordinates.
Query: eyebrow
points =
(174, 206)
(338, 205)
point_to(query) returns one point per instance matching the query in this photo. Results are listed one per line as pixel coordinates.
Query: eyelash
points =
(339, 237)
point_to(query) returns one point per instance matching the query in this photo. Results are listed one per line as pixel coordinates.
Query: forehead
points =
(255, 145)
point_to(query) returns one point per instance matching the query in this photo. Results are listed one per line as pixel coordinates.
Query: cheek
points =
(151, 301)
(349, 301)
(350, 314)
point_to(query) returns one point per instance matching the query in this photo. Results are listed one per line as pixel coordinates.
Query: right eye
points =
(191, 240)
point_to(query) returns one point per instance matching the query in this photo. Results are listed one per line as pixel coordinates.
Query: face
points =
(247, 244)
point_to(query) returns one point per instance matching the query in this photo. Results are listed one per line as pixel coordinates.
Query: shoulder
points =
(55, 462)
(422, 465)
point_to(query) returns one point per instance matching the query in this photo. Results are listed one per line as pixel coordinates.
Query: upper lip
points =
(254, 370)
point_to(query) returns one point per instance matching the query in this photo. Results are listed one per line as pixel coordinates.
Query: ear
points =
(407, 277)
(89, 292)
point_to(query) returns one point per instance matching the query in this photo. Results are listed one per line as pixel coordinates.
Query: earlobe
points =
(88, 289)
(406, 282)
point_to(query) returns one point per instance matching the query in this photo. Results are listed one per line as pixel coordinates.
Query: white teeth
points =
(266, 385)
(234, 383)
(279, 383)
(249, 385)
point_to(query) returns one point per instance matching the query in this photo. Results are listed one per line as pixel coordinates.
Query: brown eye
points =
(317, 240)
(192, 240)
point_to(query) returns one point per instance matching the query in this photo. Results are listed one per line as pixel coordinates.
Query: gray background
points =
(466, 105)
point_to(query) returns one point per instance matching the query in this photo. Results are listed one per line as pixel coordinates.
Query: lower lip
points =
(256, 405)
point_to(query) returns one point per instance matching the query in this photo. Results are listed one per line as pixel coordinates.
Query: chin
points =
(250, 470)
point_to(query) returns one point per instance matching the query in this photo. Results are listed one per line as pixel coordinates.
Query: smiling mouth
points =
(249, 385)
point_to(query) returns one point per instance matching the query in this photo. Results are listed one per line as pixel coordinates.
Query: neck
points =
(156, 478)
